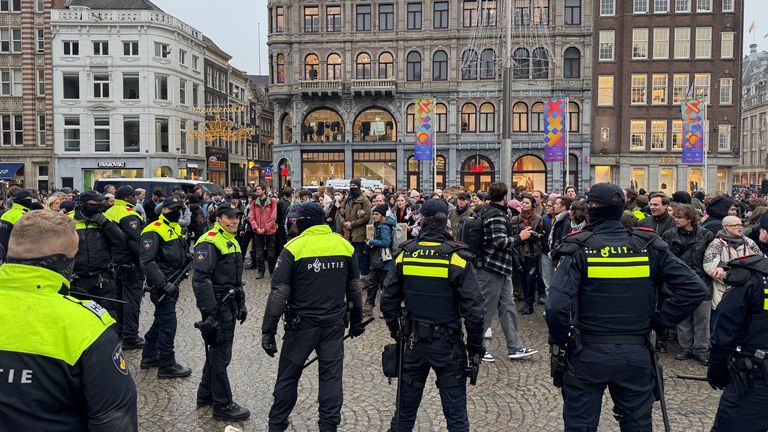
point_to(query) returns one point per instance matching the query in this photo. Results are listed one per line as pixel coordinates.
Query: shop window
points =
(529, 172)
(375, 124)
(322, 125)
(380, 166)
(639, 179)
(603, 174)
(286, 129)
(477, 173)
(414, 174)
(311, 68)
(667, 180)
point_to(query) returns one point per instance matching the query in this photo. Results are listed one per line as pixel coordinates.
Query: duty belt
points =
(614, 339)
(422, 330)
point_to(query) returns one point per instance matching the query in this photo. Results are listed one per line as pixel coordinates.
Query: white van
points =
(343, 184)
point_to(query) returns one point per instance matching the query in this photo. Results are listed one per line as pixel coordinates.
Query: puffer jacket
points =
(382, 238)
(690, 248)
(263, 216)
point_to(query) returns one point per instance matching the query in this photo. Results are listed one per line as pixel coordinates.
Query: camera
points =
(536, 235)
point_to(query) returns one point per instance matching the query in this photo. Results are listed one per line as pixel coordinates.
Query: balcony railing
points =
(373, 84)
(320, 85)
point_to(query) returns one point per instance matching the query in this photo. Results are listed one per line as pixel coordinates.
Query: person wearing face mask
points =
(70, 369)
(151, 203)
(99, 237)
(333, 215)
(357, 213)
(23, 201)
(600, 310)
(163, 255)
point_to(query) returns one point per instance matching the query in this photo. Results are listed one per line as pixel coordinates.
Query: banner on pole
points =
(554, 129)
(693, 130)
(425, 132)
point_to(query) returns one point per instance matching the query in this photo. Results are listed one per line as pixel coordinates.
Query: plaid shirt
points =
(497, 242)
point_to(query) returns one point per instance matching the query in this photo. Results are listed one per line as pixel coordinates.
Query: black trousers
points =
(743, 413)
(263, 245)
(129, 283)
(161, 335)
(328, 343)
(448, 357)
(101, 285)
(214, 384)
(244, 240)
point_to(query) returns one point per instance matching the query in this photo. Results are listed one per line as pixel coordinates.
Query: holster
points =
(742, 371)
(558, 364)
(291, 320)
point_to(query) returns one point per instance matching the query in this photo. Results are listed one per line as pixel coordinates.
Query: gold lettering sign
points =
(217, 110)
(667, 160)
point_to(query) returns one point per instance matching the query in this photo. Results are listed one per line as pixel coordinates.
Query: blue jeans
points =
(362, 257)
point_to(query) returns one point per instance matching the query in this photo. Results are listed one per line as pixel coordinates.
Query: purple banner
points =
(554, 129)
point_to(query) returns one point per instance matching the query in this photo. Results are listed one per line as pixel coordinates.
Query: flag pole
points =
(434, 146)
(706, 148)
(567, 144)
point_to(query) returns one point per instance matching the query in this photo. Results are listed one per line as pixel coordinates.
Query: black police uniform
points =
(435, 277)
(315, 277)
(163, 256)
(218, 286)
(99, 236)
(606, 287)
(740, 337)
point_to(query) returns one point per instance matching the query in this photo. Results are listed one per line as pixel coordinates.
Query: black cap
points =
(23, 194)
(124, 191)
(433, 207)
(681, 197)
(464, 196)
(381, 209)
(356, 181)
(90, 195)
(311, 210)
(227, 209)
(173, 202)
(607, 194)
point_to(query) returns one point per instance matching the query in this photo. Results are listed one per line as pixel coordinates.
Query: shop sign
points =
(191, 165)
(667, 161)
(216, 159)
(110, 164)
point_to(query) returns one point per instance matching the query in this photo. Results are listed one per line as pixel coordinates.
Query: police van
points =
(165, 184)
(343, 184)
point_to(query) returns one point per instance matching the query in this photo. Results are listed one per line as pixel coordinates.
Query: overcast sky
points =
(234, 24)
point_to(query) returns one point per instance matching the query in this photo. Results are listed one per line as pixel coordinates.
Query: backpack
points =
(472, 235)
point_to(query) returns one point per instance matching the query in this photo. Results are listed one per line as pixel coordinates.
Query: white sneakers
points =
(522, 353)
(488, 333)
(488, 358)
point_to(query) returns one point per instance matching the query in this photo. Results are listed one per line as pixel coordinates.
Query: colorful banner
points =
(425, 132)
(693, 131)
(554, 129)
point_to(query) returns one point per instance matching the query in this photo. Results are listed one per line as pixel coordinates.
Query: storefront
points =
(12, 172)
(375, 124)
(236, 174)
(216, 165)
(318, 167)
(477, 173)
(665, 174)
(284, 173)
(376, 165)
(529, 172)
(321, 126)
(109, 169)
(190, 170)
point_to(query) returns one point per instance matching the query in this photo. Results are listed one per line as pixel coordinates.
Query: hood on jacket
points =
(718, 208)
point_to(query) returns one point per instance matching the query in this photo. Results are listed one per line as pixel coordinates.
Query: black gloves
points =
(656, 325)
(209, 329)
(242, 314)
(100, 219)
(356, 329)
(268, 344)
(717, 374)
(475, 349)
(169, 289)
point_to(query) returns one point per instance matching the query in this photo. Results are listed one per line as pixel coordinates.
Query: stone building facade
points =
(753, 169)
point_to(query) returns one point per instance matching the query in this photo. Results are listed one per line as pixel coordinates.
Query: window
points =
(311, 19)
(183, 136)
(386, 17)
(40, 40)
(10, 82)
(468, 118)
(41, 130)
(196, 126)
(363, 66)
(414, 16)
(607, 7)
(333, 67)
(724, 137)
(726, 91)
(182, 91)
(677, 134)
(682, 6)
(680, 84)
(441, 118)
(488, 64)
(280, 69)
(440, 15)
(386, 66)
(659, 89)
(726, 45)
(607, 38)
(640, 6)
(10, 5)
(161, 87)
(487, 118)
(413, 63)
(540, 15)
(101, 48)
(16, 40)
(131, 134)
(130, 86)
(640, 43)
(637, 135)
(469, 13)
(195, 62)
(701, 86)
(572, 63)
(661, 6)
(572, 12)
(162, 50)
(101, 134)
(520, 117)
(540, 69)
(728, 6)
(658, 134)
(488, 13)
(71, 48)
(703, 42)
(182, 57)
(333, 18)
(130, 48)
(574, 117)
(661, 43)
(101, 86)
(311, 68)
(71, 133)
(410, 118)
(161, 135)
(639, 89)
(363, 18)
(682, 42)
(703, 5)
(39, 5)
(521, 62)
(71, 84)
(605, 90)
(537, 117)
(40, 82)
(440, 66)
(195, 89)
(469, 65)
(279, 19)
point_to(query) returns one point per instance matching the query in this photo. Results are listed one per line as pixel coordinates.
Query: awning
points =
(9, 170)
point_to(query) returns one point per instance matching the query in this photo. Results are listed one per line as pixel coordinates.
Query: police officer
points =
(99, 236)
(129, 280)
(738, 359)
(23, 201)
(218, 286)
(163, 256)
(61, 364)
(435, 277)
(607, 281)
(315, 277)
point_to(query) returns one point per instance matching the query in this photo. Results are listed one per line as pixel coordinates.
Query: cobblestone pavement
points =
(516, 396)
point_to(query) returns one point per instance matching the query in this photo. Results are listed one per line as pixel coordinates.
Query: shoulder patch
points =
(147, 244)
(157, 223)
(119, 360)
(212, 233)
(94, 307)
(133, 224)
(201, 255)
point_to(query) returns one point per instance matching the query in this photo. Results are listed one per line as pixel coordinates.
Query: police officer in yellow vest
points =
(61, 364)
(129, 280)
(23, 201)
(218, 285)
(163, 256)
(603, 294)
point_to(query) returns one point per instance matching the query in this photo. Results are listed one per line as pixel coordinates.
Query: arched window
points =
(520, 117)
(286, 130)
(529, 172)
(410, 118)
(572, 63)
(521, 63)
(311, 68)
(468, 118)
(537, 117)
(374, 124)
(574, 117)
(477, 173)
(540, 64)
(441, 118)
(284, 173)
(488, 64)
(440, 160)
(334, 67)
(414, 174)
(386, 66)
(363, 63)
(414, 66)
(280, 69)
(440, 66)
(322, 125)
(469, 65)
(487, 118)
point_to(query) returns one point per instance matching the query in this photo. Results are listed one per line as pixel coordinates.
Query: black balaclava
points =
(355, 192)
(91, 210)
(599, 215)
(304, 223)
(173, 216)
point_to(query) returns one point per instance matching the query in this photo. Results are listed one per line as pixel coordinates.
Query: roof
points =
(259, 80)
(754, 67)
(211, 44)
(115, 4)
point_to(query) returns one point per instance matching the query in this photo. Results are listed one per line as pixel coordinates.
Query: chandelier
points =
(221, 128)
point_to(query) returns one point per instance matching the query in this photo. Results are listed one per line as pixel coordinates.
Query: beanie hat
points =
(381, 209)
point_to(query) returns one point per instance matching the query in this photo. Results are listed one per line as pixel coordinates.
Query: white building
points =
(125, 82)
